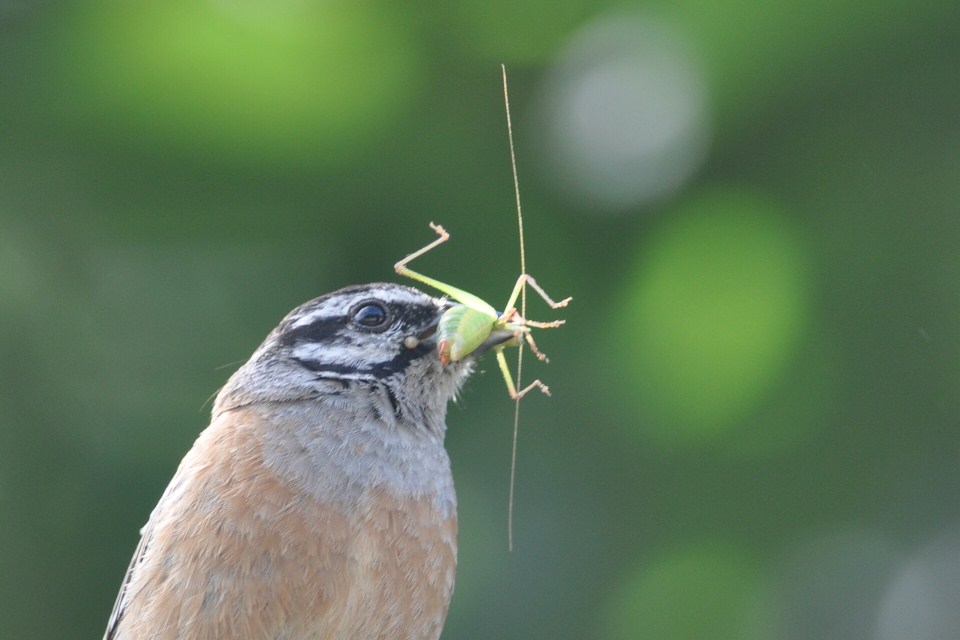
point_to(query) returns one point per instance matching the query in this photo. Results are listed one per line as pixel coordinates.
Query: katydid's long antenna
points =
(523, 312)
(513, 165)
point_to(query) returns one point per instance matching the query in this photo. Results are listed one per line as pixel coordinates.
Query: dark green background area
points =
(754, 424)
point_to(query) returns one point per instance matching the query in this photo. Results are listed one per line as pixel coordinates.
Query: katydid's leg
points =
(528, 279)
(401, 267)
(511, 388)
(512, 317)
(543, 294)
(553, 324)
(542, 357)
(459, 295)
(510, 307)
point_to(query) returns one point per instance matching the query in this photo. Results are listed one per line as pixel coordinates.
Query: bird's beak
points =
(495, 339)
(431, 328)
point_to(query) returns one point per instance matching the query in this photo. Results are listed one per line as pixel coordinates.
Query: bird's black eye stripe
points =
(317, 331)
(371, 315)
(368, 315)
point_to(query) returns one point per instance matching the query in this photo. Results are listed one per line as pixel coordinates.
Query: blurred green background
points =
(754, 429)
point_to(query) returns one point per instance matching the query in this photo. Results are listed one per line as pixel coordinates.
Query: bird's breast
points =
(393, 489)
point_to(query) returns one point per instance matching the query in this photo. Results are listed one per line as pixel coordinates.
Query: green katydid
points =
(473, 323)
(466, 326)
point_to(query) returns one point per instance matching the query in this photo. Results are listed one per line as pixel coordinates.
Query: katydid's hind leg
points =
(507, 378)
(401, 267)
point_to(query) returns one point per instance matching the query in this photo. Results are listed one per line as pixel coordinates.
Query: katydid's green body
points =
(466, 326)
(461, 331)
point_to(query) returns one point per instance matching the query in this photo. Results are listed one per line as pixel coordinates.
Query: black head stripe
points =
(325, 329)
(399, 362)
(320, 330)
(379, 370)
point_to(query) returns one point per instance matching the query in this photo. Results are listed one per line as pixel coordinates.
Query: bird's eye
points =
(370, 315)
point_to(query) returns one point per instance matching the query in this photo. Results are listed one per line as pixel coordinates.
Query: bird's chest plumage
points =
(401, 561)
(343, 538)
(394, 490)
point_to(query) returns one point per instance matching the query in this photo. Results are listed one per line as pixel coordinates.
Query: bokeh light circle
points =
(923, 600)
(625, 114)
(711, 316)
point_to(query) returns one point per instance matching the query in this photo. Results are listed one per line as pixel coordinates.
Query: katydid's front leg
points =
(508, 378)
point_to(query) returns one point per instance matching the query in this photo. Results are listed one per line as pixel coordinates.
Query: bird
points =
(319, 502)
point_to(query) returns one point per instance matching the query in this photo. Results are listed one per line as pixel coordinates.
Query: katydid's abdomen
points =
(461, 331)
